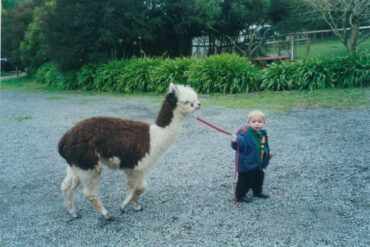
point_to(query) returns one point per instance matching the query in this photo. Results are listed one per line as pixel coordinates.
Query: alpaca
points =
(128, 145)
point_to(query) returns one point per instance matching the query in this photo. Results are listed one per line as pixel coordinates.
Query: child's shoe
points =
(261, 195)
(244, 199)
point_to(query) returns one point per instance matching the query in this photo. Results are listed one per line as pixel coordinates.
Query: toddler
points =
(252, 156)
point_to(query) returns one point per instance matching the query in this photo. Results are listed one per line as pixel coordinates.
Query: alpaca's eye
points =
(191, 104)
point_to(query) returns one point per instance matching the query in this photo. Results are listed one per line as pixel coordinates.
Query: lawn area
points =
(353, 98)
(327, 47)
(3, 73)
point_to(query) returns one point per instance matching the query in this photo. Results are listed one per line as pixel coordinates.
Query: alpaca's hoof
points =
(108, 217)
(75, 215)
(123, 210)
(138, 208)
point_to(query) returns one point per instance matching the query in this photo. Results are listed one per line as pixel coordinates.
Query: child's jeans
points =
(247, 180)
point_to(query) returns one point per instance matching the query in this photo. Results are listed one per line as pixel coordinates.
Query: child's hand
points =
(271, 155)
(233, 138)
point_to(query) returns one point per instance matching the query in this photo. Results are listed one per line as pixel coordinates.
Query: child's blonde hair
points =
(256, 113)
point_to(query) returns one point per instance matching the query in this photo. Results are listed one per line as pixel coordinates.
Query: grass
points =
(354, 98)
(286, 100)
(20, 118)
(327, 47)
(3, 73)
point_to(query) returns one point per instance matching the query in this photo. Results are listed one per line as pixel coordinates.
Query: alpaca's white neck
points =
(163, 137)
(160, 139)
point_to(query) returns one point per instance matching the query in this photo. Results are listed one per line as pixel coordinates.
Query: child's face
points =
(257, 122)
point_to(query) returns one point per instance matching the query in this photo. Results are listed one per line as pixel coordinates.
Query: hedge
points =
(225, 73)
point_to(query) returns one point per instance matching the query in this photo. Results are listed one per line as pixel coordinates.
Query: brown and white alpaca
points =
(123, 144)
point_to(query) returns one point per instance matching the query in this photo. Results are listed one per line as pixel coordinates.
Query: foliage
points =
(177, 23)
(344, 18)
(85, 31)
(279, 76)
(288, 16)
(10, 4)
(34, 48)
(50, 75)
(236, 17)
(86, 77)
(170, 71)
(136, 76)
(352, 70)
(318, 73)
(107, 75)
(14, 23)
(225, 73)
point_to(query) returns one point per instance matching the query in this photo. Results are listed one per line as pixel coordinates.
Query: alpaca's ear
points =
(172, 88)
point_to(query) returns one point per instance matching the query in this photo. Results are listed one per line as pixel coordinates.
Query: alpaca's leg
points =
(90, 180)
(138, 191)
(135, 187)
(68, 187)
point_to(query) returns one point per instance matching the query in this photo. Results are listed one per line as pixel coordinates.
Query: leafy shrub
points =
(86, 77)
(136, 75)
(225, 73)
(313, 74)
(352, 70)
(108, 75)
(169, 71)
(279, 76)
(349, 71)
(50, 75)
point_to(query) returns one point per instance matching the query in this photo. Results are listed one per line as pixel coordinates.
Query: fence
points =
(280, 47)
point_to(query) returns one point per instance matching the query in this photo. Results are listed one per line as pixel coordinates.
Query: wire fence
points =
(291, 46)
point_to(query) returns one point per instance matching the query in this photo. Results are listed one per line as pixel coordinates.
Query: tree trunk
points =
(354, 38)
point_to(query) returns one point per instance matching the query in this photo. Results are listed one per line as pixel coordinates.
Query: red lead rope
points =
(214, 127)
(237, 153)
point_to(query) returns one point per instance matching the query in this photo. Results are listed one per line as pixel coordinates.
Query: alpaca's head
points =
(187, 98)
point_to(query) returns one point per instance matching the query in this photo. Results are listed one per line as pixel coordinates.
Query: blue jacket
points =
(247, 152)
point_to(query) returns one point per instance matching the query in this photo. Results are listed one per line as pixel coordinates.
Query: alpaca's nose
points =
(198, 106)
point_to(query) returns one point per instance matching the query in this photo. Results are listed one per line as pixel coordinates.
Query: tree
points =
(94, 31)
(34, 48)
(344, 18)
(14, 24)
(288, 16)
(246, 17)
(179, 22)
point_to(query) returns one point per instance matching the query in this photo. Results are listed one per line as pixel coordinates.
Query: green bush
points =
(349, 71)
(107, 75)
(136, 75)
(86, 77)
(313, 74)
(352, 70)
(279, 76)
(225, 73)
(169, 71)
(301, 75)
(50, 75)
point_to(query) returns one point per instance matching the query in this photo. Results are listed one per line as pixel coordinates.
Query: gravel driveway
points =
(319, 180)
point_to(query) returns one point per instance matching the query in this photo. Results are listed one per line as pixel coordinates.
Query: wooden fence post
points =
(291, 47)
(308, 47)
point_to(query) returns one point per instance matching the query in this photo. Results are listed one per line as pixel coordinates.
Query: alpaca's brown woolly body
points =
(109, 137)
(126, 139)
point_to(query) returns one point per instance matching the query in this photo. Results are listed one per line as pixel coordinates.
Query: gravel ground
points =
(319, 179)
